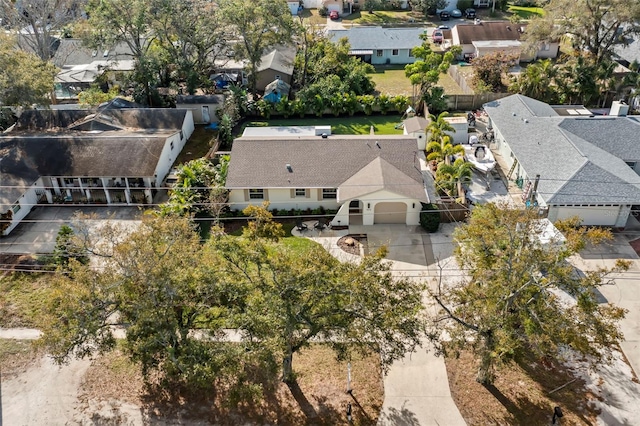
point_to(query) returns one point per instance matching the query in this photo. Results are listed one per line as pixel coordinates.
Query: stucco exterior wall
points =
(267, 76)
(282, 198)
(196, 112)
(369, 202)
(403, 57)
(26, 203)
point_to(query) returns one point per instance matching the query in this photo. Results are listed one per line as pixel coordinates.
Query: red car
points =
(334, 15)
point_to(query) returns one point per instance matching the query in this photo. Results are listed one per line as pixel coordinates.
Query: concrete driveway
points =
(36, 234)
(416, 388)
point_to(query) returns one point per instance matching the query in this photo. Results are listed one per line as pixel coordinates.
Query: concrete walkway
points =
(624, 289)
(416, 388)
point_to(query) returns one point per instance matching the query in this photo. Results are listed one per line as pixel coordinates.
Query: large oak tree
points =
(522, 295)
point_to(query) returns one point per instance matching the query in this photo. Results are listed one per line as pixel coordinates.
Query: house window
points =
(329, 193)
(256, 194)
(545, 46)
(631, 164)
(301, 192)
(15, 208)
(278, 77)
(171, 145)
(411, 53)
(394, 52)
(379, 53)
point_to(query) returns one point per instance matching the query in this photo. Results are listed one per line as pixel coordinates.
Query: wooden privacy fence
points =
(470, 102)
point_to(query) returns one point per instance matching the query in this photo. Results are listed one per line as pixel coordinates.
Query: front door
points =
(205, 114)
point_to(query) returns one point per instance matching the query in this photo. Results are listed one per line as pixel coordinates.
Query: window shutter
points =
(246, 195)
(265, 193)
(292, 193)
(319, 194)
(307, 193)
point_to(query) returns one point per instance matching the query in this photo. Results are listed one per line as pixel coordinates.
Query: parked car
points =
(444, 15)
(334, 15)
(470, 14)
(455, 13)
(443, 27)
(437, 36)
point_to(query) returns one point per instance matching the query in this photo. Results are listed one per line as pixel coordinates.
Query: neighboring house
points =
(109, 156)
(368, 179)
(378, 45)
(587, 165)
(484, 37)
(80, 66)
(202, 107)
(481, 3)
(276, 65)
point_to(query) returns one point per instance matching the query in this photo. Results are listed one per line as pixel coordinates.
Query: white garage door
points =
(390, 213)
(591, 215)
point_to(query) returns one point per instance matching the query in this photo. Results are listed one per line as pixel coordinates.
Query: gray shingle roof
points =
(361, 38)
(321, 163)
(488, 30)
(415, 124)
(280, 59)
(573, 169)
(42, 145)
(619, 136)
(200, 99)
(378, 175)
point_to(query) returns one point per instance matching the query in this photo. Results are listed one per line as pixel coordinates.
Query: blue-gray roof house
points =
(588, 165)
(378, 45)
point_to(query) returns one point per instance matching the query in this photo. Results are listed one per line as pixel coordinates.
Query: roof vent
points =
(289, 168)
(378, 145)
(525, 120)
(324, 135)
(514, 114)
(508, 28)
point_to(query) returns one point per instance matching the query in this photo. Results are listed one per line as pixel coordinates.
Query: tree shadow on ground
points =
(398, 417)
(523, 393)
(281, 404)
(550, 375)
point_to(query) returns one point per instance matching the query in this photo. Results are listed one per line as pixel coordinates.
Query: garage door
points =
(390, 213)
(591, 215)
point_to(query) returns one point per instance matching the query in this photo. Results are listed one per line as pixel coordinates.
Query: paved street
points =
(37, 232)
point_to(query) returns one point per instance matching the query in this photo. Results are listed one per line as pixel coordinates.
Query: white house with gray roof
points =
(378, 45)
(588, 165)
(368, 179)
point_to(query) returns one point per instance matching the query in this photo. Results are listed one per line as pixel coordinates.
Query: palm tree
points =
(438, 127)
(538, 82)
(451, 177)
(443, 151)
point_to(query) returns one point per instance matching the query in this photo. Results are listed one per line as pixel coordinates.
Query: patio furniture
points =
(322, 224)
(301, 226)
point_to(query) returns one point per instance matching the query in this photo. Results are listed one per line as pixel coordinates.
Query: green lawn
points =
(312, 17)
(384, 17)
(356, 125)
(390, 79)
(526, 12)
(198, 144)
